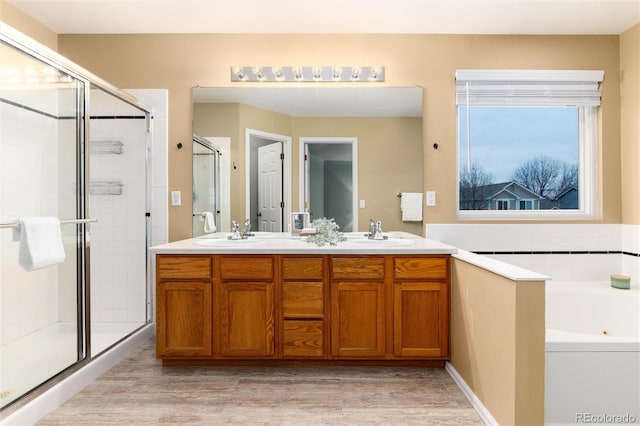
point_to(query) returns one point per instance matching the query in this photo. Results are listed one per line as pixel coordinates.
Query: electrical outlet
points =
(362, 204)
(431, 198)
(175, 198)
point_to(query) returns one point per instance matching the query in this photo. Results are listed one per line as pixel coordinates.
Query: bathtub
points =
(592, 371)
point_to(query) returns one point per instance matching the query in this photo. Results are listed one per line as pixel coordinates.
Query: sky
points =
(502, 138)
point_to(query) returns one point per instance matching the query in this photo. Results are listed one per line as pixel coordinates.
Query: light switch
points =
(431, 198)
(362, 204)
(175, 198)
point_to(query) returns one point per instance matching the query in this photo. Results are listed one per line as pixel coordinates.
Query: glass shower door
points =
(41, 131)
(206, 185)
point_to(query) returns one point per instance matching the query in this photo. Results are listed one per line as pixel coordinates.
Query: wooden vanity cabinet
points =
(184, 306)
(303, 306)
(357, 306)
(245, 306)
(296, 307)
(421, 306)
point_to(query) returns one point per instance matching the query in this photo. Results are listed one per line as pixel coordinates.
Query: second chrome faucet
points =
(375, 230)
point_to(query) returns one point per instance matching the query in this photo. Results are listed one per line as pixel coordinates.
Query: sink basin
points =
(391, 242)
(354, 235)
(262, 235)
(220, 242)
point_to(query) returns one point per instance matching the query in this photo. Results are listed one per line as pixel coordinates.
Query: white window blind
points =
(528, 87)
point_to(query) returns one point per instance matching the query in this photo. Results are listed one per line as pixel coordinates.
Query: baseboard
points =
(482, 411)
(52, 398)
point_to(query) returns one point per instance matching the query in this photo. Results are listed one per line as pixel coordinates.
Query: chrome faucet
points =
(235, 231)
(377, 234)
(372, 228)
(236, 234)
(246, 229)
(375, 230)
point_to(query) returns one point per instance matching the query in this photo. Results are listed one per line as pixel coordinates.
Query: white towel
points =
(411, 206)
(209, 223)
(40, 243)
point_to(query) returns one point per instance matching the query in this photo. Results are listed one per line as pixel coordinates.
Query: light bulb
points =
(278, 73)
(317, 73)
(259, 73)
(355, 73)
(375, 73)
(336, 73)
(239, 73)
(297, 73)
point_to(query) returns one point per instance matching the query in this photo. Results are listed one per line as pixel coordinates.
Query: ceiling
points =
(335, 16)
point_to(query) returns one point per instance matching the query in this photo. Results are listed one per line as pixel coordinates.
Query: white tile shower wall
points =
(118, 292)
(158, 99)
(28, 187)
(118, 238)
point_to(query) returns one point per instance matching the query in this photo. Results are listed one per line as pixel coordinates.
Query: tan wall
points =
(179, 62)
(389, 161)
(17, 19)
(630, 124)
(497, 342)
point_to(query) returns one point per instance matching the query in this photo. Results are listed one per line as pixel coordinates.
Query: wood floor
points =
(140, 391)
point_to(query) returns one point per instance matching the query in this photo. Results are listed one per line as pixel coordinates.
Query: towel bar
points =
(62, 222)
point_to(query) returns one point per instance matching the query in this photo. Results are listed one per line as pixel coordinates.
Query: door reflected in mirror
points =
(330, 179)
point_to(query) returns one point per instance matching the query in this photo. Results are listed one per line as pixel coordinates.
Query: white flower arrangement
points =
(326, 233)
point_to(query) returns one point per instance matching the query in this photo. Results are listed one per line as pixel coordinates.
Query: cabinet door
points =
(357, 319)
(421, 319)
(246, 319)
(302, 338)
(183, 326)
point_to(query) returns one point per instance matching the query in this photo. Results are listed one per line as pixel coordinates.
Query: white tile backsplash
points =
(615, 238)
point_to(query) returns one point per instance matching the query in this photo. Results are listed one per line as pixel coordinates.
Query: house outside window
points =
(527, 139)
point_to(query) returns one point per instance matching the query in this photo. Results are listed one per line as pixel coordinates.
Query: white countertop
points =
(284, 243)
(498, 267)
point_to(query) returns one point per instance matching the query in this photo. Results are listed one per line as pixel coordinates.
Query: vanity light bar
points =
(307, 74)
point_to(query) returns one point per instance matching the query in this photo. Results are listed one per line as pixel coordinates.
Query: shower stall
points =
(75, 148)
(206, 186)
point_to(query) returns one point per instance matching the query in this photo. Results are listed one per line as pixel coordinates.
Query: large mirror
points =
(261, 153)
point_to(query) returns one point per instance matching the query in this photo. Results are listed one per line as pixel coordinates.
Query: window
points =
(526, 204)
(528, 137)
(502, 204)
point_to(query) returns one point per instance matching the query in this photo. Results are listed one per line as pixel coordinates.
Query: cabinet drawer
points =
(302, 299)
(419, 267)
(247, 268)
(191, 267)
(302, 338)
(301, 268)
(357, 267)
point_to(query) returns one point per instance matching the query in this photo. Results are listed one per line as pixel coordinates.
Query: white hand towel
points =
(209, 223)
(40, 243)
(411, 206)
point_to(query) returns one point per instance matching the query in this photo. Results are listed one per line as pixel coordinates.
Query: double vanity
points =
(273, 298)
